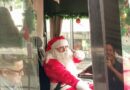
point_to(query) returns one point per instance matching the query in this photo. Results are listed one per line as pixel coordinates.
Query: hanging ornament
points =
(78, 20)
(124, 16)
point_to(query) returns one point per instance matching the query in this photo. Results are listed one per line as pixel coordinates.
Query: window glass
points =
(124, 6)
(81, 41)
(77, 32)
(18, 60)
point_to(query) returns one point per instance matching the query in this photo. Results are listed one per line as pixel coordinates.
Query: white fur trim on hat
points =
(60, 43)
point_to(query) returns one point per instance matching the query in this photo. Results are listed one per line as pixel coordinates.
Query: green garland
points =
(67, 16)
(29, 14)
(124, 16)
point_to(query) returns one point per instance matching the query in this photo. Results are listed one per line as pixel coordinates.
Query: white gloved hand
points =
(82, 86)
(79, 54)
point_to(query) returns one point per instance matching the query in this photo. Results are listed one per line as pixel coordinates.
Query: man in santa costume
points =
(59, 65)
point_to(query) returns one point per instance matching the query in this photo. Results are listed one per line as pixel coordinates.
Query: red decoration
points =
(26, 32)
(78, 20)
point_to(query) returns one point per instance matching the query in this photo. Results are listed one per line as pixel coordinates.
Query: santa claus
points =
(59, 65)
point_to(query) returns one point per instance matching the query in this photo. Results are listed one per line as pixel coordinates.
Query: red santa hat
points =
(57, 42)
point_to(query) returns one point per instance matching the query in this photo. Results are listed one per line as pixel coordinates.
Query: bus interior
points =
(27, 25)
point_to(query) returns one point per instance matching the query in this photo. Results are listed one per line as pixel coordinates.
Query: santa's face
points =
(63, 53)
(62, 49)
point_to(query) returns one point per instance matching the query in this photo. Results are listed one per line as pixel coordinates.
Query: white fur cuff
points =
(82, 86)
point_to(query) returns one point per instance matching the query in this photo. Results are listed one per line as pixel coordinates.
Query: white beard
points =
(63, 57)
(66, 58)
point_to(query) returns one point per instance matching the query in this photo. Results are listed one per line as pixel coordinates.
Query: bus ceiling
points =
(68, 8)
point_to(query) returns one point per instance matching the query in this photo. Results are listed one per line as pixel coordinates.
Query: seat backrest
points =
(43, 78)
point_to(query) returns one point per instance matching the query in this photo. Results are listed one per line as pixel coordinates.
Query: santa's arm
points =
(56, 71)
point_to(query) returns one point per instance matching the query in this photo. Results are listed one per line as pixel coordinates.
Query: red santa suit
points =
(62, 71)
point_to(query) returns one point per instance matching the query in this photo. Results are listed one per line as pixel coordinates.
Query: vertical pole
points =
(105, 27)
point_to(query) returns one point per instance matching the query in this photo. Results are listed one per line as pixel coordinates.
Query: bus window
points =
(78, 36)
(124, 7)
(18, 69)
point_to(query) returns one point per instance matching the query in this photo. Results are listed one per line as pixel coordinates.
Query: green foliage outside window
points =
(124, 17)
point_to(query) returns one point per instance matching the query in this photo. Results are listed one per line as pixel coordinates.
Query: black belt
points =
(58, 86)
